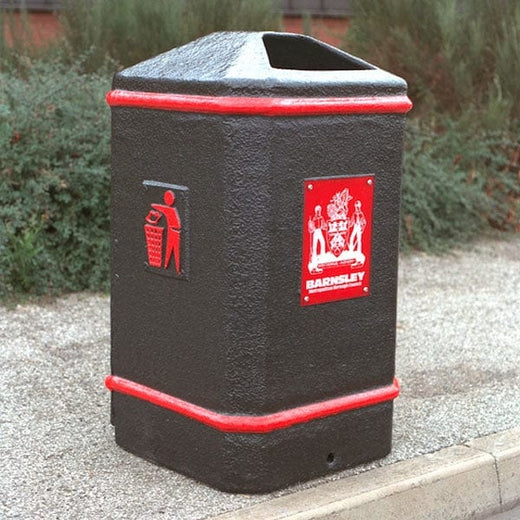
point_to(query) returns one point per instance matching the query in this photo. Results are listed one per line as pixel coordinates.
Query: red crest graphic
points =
(337, 233)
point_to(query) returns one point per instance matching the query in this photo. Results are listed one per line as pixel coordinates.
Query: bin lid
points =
(256, 64)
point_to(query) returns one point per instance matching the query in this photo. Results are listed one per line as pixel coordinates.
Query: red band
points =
(259, 106)
(254, 423)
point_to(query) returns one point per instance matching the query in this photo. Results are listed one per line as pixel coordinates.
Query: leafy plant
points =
(457, 56)
(54, 195)
(22, 257)
(129, 31)
(462, 63)
(205, 16)
(457, 182)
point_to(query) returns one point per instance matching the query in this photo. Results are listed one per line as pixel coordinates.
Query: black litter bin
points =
(255, 220)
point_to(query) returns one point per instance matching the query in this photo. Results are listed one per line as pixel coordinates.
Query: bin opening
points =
(287, 51)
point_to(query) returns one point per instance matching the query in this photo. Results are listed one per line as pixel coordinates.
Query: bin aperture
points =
(221, 369)
(296, 52)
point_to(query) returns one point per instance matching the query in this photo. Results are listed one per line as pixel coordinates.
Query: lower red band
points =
(254, 423)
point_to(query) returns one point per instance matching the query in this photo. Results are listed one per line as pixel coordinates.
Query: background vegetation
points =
(462, 152)
(129, 31)
(55, 130)
(461, 59)
(54, 190)
(458, 55)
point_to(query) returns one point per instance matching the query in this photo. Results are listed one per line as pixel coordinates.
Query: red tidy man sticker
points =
(166, 229)
(337, 233)
(155, 233)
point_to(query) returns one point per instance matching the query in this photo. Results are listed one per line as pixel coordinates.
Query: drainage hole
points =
(330, 458)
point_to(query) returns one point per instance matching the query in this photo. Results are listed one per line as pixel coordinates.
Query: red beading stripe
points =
(259, 106)
(253, 423)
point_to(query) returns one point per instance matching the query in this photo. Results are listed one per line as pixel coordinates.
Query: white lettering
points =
(343, 280)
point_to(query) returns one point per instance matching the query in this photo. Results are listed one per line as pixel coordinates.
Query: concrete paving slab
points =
(457, 359)
(454, 483)
(504, 447)
(512, 514)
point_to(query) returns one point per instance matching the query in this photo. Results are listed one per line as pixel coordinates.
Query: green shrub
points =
(202, 17)
(457, 56)
(129, 31)
(458, 181)
(54, 195)
(462, 63)
(126, 31)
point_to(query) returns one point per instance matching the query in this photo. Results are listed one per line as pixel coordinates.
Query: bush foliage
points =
(129, 31)
(457, 56)
(458, 181)
(54, 194)
(462, 63)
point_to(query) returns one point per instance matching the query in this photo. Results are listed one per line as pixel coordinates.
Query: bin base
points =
(252, 463)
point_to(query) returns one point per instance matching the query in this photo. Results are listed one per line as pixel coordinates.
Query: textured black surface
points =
(234, 338)
(252, 463)
(237, 64)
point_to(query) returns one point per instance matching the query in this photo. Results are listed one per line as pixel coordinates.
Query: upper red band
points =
(259, 106)
(254, 423)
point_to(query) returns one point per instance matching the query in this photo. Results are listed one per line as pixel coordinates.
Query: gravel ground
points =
(458, 363)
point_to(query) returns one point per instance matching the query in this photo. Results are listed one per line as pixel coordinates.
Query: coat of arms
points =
(343, 243)
(336, 238)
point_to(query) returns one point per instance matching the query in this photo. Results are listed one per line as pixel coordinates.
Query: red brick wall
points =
(44, 27)
(329, 30)
(41, 27)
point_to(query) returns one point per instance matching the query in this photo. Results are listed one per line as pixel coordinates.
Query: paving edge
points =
(473, 480)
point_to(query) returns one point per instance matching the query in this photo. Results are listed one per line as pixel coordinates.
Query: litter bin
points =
(255, 221)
